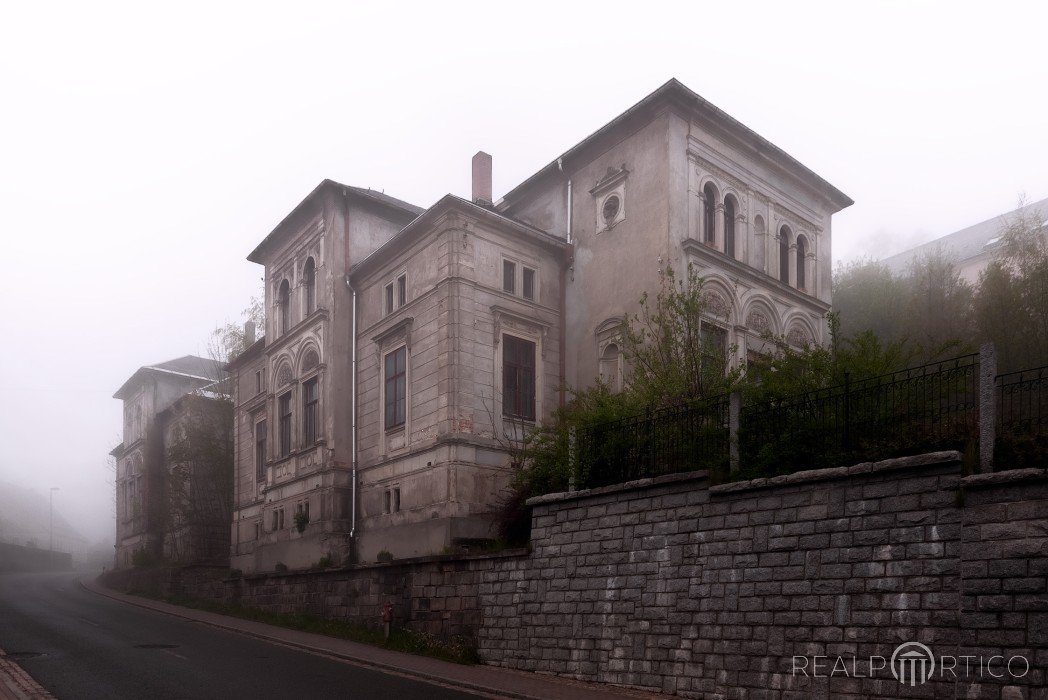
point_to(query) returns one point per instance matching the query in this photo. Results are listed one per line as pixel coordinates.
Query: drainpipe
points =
(353, 372)
(566, 262)
(353, 409)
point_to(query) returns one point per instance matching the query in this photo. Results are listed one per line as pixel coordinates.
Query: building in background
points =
(140, 459)
(971, 249)
(197, 434)
(405, 350)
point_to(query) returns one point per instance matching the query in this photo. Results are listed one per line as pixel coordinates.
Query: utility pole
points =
(51, 509)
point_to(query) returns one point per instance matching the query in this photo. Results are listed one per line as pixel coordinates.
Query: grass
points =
(458, 649)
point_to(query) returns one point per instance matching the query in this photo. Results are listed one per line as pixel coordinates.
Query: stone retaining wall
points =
(436, 595)
(743, 590)
(671, 585)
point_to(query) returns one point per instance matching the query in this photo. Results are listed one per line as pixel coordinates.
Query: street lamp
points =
(51, 508)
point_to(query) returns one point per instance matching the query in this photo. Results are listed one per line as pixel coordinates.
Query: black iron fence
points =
(667, 441)
(931, 407)
(1022, 418)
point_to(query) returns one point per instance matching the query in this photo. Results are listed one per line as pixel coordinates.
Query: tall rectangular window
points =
(285, 424)
(258, 382)
(396, 387)
(402, 290)
(528, 284)
(714, 345)
(260, 450)
(518, 378)
(509, 276)
(389, 298)
(310, 400)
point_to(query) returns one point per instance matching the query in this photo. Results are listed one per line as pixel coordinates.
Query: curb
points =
(17, 684)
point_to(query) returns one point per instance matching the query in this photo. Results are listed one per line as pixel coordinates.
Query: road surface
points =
(80, 645)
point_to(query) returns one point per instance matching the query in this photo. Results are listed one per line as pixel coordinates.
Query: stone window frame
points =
(395, 293)
(286, 442)
(507, 322)
(391, 499)
(612, 184)
(261, 466)
(519, 266)
(391, 339)
(309, 286)
(609, 332)
(283, 306)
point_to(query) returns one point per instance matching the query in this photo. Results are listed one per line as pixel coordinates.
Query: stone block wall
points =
(672, 585)
(436, 595)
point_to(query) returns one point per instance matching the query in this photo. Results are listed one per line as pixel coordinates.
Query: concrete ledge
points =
(1012, 476)
(638, 484)
(931, 459)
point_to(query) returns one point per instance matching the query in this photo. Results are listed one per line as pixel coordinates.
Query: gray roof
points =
(362, 193)
(968, 242)
(673, 89)
(189, 366)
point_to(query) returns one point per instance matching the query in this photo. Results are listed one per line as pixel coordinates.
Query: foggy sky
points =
(144, 152)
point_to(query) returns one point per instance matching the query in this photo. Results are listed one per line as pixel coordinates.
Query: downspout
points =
(566, 263)
(353, 409)
(353, 374)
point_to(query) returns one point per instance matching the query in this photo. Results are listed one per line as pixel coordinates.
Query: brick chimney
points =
(482, 178)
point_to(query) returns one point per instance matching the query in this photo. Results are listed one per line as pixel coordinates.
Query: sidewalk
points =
(15, 684)
(488, 680)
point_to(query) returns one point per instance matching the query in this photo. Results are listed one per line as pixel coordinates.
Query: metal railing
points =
(1022, 418)
(667, 441)
(932, 407)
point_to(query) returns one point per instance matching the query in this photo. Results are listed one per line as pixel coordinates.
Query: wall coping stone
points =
(638, 484)
(930, 459)
(1011, 476)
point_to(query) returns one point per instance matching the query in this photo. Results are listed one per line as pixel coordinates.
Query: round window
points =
(611, 208)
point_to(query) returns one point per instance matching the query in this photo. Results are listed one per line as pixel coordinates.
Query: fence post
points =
(573, 460)
(847, 412)
(734, 410)
(987, 405)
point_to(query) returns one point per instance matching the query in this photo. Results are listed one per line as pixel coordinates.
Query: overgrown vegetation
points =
(228, 341)
(881, 324)
(934, 313)
(199, 490)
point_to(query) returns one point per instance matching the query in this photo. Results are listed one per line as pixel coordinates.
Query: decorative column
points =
(701, 228)
(718, 226)
(791, 259)
(742, 238)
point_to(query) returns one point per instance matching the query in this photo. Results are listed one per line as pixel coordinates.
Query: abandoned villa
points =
(403, 344)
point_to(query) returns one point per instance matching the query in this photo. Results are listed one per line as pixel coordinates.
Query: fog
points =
(144, 151)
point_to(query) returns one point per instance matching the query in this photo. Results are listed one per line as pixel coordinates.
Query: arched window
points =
(802, 254)
(610, 372)
(710, 216)
(758, 243)
(284, 306)
(309, 277)
(729, 226)
(784, 254)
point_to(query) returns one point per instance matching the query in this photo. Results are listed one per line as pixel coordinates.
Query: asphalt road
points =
(78, 644)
